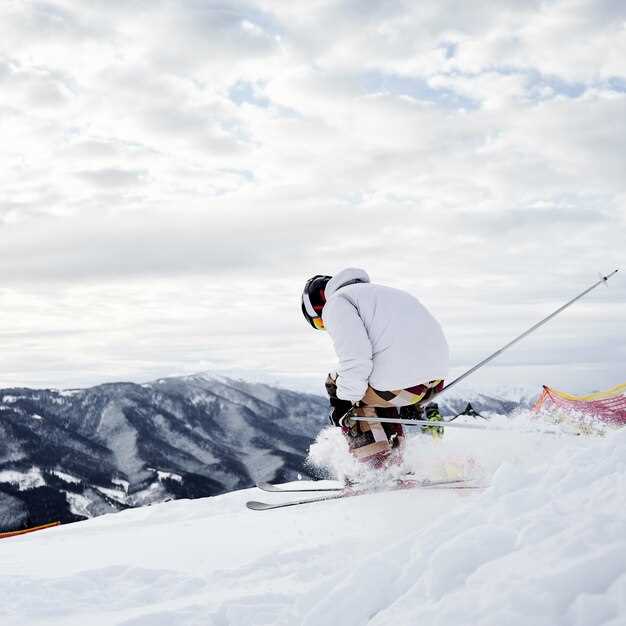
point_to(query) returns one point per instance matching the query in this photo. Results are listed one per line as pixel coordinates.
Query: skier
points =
(392, 355)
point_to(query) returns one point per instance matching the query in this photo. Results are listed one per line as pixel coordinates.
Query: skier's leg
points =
(431, 410)
(401, 403)
(367, 442)
(369, 445)
(364, 443)
(411, 400)
(374, 443)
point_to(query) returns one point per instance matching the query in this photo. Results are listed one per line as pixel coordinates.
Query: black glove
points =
(338, 408)
(411, 412)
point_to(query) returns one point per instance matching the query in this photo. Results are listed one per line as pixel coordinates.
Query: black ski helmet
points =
(314, 299)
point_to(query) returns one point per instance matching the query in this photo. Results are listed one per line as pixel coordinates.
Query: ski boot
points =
(432, 414)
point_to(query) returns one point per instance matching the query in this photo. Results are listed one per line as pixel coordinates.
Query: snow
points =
(10, 399)
(120, 482)
(543, 544)
(114, 494)
(68, 393)
(164, 475)
(68, 478)
(24, 480)
(79, 504)
(304, 383)
(122, 439)
(520, 394)
(189, 446)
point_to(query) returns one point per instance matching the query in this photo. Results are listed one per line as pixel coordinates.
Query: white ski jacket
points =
(382, 336)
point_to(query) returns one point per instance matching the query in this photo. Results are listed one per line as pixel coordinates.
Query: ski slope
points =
(543, 544)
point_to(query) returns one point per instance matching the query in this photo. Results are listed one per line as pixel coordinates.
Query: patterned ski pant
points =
(373, 442)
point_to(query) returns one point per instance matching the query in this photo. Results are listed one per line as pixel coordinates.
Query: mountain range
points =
(68, 455)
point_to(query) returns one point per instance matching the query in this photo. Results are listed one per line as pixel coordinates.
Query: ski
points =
(265, 486)
(255, 505)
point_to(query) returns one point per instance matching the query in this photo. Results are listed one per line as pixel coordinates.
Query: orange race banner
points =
(25, 531)
(607, 406)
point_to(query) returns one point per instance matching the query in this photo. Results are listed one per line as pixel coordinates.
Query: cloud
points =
(472, 154)
(111, 177)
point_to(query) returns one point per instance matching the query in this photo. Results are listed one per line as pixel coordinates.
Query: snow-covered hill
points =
(66, 455)
(543, 545)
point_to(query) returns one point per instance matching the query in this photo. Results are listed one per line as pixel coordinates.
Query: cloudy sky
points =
(171, 172)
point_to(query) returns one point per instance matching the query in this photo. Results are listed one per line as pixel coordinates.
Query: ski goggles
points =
(318, 322)
(313, 300)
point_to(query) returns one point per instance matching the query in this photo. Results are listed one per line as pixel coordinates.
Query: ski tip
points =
(253, 505)
(265, 486)
(438, 483)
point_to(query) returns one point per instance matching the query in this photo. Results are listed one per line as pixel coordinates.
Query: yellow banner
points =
(618, 390)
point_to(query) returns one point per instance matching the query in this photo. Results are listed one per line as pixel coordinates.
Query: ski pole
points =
(546, 430)
(604, 279)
